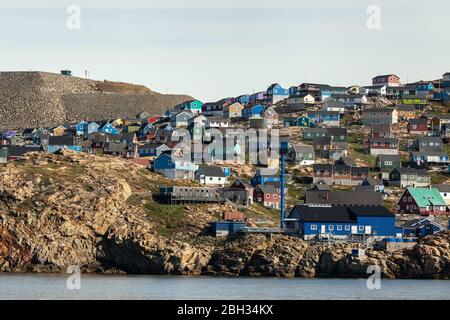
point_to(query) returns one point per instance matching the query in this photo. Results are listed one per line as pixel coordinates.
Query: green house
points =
(195, 106)
(387, 162)
(310, 134)
(133, 127)
(304, 122)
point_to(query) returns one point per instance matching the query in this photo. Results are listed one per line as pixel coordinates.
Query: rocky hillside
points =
(98, 213)
(32, 99)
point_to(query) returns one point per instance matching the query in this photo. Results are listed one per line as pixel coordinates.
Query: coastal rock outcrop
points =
(60, 210)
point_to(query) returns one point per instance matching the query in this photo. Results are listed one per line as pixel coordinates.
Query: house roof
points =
(385, 75)
(320, 166)
(268, 172)
(418, 121)
(414, 223)
(381, 127)
(244, 182)
(365, 170)
(19, 151)
(336, 131)
(322, 140)
(378, 110)
(411, 171)
(427, 197)
(61, 141)
(318, 214)
(373, 182)
(389, 157)
(343, 198)
(371, 211)
(347, 161)
(269, 188)
(442, 187)
(115, 147)
(211, 171)
(405, 107)
(303, 149)
(429, 153)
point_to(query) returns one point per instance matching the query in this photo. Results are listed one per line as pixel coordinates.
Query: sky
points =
(211, 49)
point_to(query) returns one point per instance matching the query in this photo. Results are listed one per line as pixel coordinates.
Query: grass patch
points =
(437, 178)
(171, 217)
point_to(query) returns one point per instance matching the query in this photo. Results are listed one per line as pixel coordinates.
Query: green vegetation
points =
(437, 178)
(258, 211)
(171, 217)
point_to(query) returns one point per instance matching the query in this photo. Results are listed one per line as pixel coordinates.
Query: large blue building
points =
(342, 221)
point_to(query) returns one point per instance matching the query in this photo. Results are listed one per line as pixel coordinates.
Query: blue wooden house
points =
(108, 128)
(224, 228)
(253, 111)
(145, 129)
(91, 127)
(174, 166)
(243, 99)
(421, 227)
(56, 143)
(264, 175)
(276, 93)
(152, 149)
(80, 128)
(342, 222)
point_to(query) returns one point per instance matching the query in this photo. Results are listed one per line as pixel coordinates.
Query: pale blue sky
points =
(212, 48)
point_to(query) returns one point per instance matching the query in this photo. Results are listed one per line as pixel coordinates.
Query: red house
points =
(390, 80)
(418, 126)
(268, 196)
(383, 146)
(381, 131)
(422, 201)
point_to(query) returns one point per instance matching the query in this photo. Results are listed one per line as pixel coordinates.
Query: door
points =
(368, 229)
(323, 229)
(354, 229)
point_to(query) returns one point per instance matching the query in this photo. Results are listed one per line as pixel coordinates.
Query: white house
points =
(336, 106)
(210, 175)
(305, 98)
(444, 190)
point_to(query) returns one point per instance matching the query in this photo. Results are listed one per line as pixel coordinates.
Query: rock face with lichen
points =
(97, 213)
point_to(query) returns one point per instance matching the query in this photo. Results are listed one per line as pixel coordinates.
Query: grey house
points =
(409, 177)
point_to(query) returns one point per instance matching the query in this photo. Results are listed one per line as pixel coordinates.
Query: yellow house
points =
(406, 111)
(234, 110)
(117, 122)
(59, 131)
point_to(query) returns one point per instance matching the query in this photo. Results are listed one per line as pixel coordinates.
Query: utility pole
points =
(282, 190)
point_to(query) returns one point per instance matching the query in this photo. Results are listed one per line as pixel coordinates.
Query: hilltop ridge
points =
(34, 98)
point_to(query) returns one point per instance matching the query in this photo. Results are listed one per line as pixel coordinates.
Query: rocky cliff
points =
(33, 99)
(97, 213)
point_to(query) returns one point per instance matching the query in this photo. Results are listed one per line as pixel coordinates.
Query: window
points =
(339, 227)
(361, 228)
(331, 227)
(347, 228)
(405, 200)
(314, 227)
